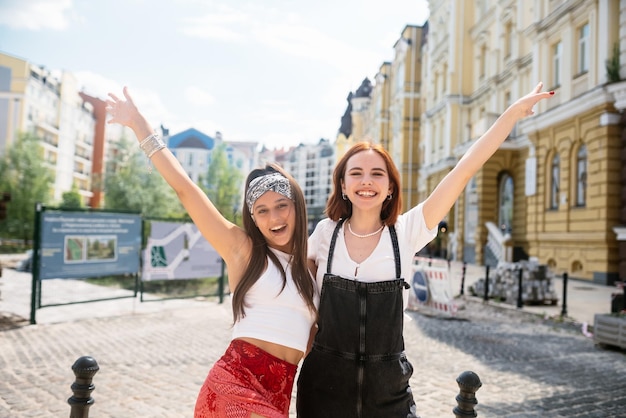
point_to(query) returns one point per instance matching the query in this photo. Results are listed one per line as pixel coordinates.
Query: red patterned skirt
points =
(246, 379)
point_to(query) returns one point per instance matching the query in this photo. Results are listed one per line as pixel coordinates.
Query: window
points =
(581, 176)
(399, 76)
(505, 214)
(554, 177)
(482, 70)
(508, 40)
(556, 64)
(583, 49)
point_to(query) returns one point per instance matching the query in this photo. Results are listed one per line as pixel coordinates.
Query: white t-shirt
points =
(412, 233)
(280, 317)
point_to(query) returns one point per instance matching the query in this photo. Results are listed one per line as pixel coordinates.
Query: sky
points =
(277, 72)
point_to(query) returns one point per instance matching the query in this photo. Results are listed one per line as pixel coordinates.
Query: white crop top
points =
(412, 233)
(280, 317)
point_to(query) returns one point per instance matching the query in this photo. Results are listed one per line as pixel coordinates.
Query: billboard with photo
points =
(89, 244)
(176, 250)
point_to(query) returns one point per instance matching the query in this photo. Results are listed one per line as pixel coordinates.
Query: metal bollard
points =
(486, 295)
(520, 301)
(463, 278)
(469, 383)
(84, 369)
(564, 305)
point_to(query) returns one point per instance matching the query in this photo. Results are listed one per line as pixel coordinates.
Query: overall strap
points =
(333, 240)
(394, 243)
(396, 250)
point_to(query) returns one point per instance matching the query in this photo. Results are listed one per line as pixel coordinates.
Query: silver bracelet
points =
(145, 140)
(158, 148)
(151, 144)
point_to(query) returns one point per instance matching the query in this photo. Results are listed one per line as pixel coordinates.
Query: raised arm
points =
(230, 241)
(438, 204)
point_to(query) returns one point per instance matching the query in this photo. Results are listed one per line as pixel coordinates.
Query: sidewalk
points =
(16, 289)
(584, 299)
(154, 356)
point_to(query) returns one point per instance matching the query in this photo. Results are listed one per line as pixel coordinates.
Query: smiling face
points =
(275, 217)
(366, 181)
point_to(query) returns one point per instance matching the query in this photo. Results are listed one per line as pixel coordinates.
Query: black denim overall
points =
(357, 366)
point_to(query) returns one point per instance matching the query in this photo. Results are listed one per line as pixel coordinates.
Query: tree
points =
(24, 174)
(130, 185)
(222, 183)
(613, 66)
(72, 199)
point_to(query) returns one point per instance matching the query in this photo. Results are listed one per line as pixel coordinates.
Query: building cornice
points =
(568, 110)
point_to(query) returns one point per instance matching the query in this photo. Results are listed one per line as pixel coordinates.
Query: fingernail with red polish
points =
(552, 92)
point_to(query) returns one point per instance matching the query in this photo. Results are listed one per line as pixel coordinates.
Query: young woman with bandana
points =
(273, 293)
(362, 252)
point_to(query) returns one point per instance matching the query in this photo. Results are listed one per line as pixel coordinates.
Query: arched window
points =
(581, 176)
(505, 199)
(554, 182)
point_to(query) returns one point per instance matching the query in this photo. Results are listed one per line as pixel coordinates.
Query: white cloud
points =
(97, 85)
(226, 24)
(198, 97)
(148, 101)
(36, 14)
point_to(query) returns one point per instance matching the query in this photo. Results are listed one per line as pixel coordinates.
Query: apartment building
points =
(553, 189)
(47, 104)
(389, 112)
(312, 166)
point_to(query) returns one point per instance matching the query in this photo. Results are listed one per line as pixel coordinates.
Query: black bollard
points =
(469, 383)
(520, 302)
(564, 306)
(84, 369)
(463, 278)
(486, 295)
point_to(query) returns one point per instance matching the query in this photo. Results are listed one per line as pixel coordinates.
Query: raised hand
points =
(123, 111)
(524, 105)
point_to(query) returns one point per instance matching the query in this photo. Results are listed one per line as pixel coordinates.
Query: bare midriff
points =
(290, 355)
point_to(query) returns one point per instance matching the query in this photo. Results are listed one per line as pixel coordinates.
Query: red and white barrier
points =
(431, 288)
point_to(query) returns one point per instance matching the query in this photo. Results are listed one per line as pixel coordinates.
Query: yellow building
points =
(552, 191)
(392, 115)
(47, 104)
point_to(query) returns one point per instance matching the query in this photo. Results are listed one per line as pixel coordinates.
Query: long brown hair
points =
(260, 249)
(337, 207)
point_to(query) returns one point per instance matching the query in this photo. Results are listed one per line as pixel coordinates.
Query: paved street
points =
(154, 356)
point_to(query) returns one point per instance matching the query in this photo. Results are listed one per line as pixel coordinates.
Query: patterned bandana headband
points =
(274, 182)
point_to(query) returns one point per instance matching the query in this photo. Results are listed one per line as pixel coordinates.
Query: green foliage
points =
(222, 184)
(72, 199)
(130, 185)
(24, 174)
(613, 64)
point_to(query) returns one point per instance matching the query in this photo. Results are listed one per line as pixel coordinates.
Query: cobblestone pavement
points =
(153, 362)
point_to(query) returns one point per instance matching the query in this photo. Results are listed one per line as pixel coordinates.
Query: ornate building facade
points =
(553, 189)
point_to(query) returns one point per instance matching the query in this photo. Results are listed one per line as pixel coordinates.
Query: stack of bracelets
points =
(151, 145)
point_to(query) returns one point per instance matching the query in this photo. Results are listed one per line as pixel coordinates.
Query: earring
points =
(343, 196)
(389, 196)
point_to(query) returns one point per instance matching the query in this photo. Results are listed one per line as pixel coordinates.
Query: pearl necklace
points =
(371, 234)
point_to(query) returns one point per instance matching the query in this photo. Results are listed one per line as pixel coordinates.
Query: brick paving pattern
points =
(154, 360)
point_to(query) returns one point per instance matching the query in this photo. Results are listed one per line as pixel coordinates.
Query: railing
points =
(86, 367)
(499, 243)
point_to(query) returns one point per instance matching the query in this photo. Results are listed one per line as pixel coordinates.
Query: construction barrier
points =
(431, 288)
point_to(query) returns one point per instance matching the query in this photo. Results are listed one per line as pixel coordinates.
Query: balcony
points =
(618, 90)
